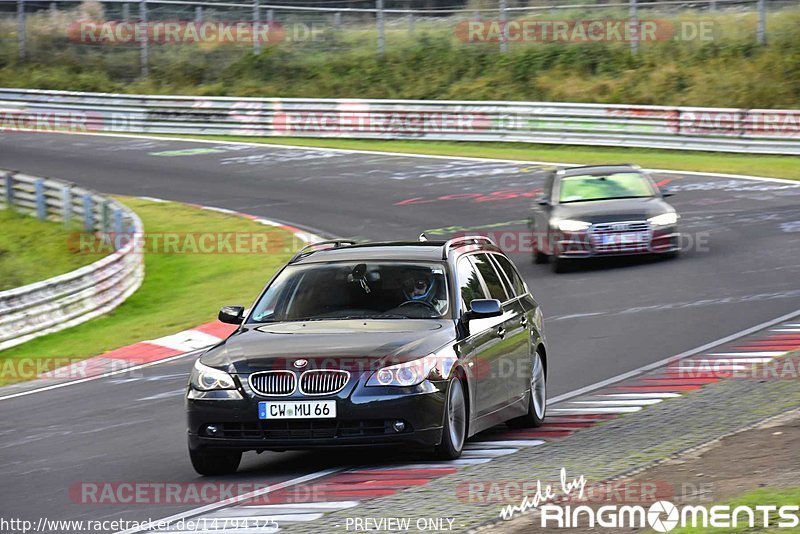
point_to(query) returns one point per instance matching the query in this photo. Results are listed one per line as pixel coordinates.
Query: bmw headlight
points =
(568, 225)
(665, 219)
(413, 372)
(205, 378)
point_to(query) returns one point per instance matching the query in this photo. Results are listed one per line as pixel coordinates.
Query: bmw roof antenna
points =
(423, 237)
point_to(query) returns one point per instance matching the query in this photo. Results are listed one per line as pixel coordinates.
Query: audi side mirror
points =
(231, 314)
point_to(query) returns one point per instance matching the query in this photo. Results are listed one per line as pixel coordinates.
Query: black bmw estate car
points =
(413, 344)
(602, 210)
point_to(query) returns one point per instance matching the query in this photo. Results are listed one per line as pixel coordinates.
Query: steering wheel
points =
(419, 303)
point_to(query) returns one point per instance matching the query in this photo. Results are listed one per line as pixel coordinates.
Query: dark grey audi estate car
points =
(418, 344)
(602, 210)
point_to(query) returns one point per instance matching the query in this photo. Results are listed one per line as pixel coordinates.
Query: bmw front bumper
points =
(365, 416)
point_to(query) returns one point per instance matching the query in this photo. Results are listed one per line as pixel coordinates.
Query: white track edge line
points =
(104, 375)
(666, 361)
(413, 155)
(237, 499)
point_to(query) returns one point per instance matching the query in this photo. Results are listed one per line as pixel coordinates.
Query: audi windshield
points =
(583, 188)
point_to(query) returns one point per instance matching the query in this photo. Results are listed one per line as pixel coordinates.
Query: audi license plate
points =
(625, 238)
(323, 409)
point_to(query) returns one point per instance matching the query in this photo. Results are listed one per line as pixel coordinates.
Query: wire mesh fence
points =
(134, 38)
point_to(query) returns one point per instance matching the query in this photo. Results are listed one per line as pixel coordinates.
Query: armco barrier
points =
(72, 298)
(714, 129)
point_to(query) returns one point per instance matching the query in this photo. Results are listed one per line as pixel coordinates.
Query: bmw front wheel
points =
(210, 462)
(454, 431)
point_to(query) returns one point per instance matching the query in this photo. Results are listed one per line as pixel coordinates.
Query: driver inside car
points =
(421, 287)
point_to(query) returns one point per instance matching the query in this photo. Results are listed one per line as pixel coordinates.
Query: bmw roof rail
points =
(314, 247)
(465, 240)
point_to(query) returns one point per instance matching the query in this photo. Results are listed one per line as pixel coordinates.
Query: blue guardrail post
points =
(118, 239)
(66, 205)
(104, 217)
(9, 185)
(88, 213)
(41, 203)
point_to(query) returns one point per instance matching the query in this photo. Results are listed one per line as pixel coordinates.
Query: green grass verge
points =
(764, 496)
(180, 291)
(32, 250)
(756, 165)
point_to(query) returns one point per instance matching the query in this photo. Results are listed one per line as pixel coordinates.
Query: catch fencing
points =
(686, 128)
(135, 37)
(64, 301)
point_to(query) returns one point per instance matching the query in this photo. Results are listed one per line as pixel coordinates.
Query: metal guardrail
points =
(687, 128)
(64, 301)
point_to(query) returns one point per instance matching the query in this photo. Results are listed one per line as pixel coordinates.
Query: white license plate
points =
(625, 238)
(323, 409)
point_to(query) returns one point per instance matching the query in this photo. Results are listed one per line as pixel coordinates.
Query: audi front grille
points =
(600, 243)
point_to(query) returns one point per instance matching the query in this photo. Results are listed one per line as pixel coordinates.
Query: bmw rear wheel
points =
(454, 431)
(537, 403)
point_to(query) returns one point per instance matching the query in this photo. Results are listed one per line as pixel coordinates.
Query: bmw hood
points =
(334, 344)
(623, 209)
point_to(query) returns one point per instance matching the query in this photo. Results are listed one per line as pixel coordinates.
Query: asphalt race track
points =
(602, 320)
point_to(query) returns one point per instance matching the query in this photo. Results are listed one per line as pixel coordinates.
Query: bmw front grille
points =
(275, 383)
(323, 381)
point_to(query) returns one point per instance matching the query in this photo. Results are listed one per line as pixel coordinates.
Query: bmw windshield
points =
(355, 290)
(583, 188)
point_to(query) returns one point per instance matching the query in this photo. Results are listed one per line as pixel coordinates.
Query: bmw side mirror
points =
(542, 201)
(231, 314)
(667, 193)
(483, 308)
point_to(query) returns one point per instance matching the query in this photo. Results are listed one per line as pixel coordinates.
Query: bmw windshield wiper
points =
(378, 316)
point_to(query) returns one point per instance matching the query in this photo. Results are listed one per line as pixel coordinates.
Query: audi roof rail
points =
(602, 166)
(314, 247)
(465, 240)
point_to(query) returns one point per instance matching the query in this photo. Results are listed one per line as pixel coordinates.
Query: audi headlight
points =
(568, 225)
(665, 219)
(205, 378)
(414, 372)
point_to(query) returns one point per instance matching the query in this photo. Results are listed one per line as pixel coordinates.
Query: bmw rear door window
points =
(511, 273)
(490, 276)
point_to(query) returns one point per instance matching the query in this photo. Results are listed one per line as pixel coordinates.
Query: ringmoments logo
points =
(664, 516)
(551, 501)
